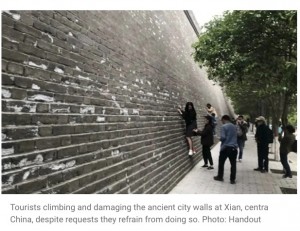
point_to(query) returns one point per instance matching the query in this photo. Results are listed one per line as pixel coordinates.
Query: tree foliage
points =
(253, 54)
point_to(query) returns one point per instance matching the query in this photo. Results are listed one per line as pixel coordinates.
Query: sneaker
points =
(190, 152)
(210, 167)
(262, 171)
(257, 169)
(204, 166)
(232, 182)
(218, 178)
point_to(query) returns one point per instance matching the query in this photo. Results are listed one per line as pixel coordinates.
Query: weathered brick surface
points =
(89, 101)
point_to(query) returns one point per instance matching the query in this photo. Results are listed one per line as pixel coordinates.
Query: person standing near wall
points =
(207, 140)
(210, 110)
(285, 148)
(242, 129)
(261, 137)
(190, 117)
(228, 149)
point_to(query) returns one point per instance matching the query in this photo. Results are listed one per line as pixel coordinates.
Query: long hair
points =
(191, 112)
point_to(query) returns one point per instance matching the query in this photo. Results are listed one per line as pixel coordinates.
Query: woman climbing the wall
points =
(190, 117)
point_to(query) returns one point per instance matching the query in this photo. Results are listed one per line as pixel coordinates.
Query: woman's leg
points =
(189, 140)
(285, 164)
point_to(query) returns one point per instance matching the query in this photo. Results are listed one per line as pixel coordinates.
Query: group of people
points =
(233, 137)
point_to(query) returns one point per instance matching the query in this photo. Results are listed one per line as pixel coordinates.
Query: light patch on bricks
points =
(103, 111)
(125, 87)
(35, 44)
(86, 110)
(6, 166)
(11, 40)
(39, 159)
(77, 68)
(149, 83)
(32, 108)
(62, 110)
(15, 108)
(58, 70)
(40, 97)
(56, 167)
(11, 179)
(15, 16)
(100, 119)
(115, 102)
(43, 66)
(49, 36)
(26, 175)
(35, 87)
(4, 136)
(70, 164)
(149, 93)
(73, 47)
(124, 111)
(8, 151)
(135, 112)
(115, 152)
(70, 34)
(102, 61)
(23, 162)
(163, 119)
(6, 93)
(82, 77)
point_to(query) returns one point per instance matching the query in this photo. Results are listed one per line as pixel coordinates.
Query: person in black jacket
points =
(261, 137)
(207, 140)
(190, 117)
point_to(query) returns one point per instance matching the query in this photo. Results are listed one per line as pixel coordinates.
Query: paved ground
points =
(200, 180)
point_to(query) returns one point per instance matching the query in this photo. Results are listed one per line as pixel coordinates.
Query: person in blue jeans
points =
(228, 149)
(242, 129)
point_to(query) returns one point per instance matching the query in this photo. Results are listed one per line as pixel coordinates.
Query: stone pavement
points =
(200, 180)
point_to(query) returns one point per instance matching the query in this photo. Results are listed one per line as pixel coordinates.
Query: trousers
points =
(231, 153)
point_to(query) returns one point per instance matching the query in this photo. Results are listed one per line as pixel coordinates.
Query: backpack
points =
(270, 136)
(294, 146)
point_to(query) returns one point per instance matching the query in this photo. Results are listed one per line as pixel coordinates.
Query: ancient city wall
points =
(89, 101)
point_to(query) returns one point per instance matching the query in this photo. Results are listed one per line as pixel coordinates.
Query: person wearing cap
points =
(261, 137)
(228, 149)
(285, 148)
(207, 140)
(190, 117)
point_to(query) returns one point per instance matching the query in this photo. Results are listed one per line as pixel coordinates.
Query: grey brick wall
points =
(89, 101)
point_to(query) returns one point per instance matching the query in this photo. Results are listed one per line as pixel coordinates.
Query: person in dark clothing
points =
(285, 148)
(228, 149)
(190, 117)
(207, 140)
(261, 137)
(242, 130)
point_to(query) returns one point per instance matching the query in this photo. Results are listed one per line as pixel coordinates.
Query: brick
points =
(15, 68)
(45, 131)
(42, 108)
(11, 55)
(32, 186)
(44, 28)
(18, 93)
(47, 143)
(12, 34)
(27, 30)
(31, 50)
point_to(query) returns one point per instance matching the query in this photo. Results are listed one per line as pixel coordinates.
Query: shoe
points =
(218, 178)
(190, 152)
(210, 167)
(286, 176)
(240, 160)
(257, 169)
(204, 166)
(194, 151)
(232, 182)
(262, 171)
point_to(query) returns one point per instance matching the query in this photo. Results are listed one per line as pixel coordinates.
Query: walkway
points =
(200, 180)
